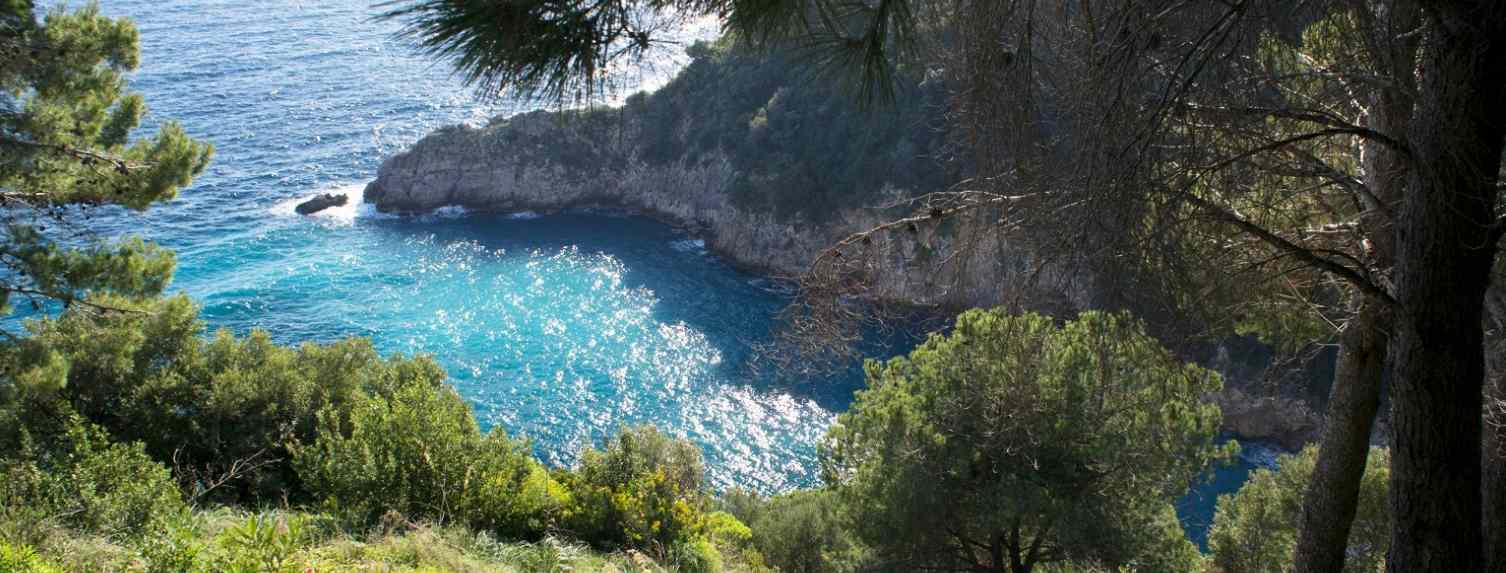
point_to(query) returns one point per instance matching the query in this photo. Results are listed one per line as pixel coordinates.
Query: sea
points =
(559, 328)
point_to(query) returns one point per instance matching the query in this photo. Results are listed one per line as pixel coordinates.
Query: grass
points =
(278, 541)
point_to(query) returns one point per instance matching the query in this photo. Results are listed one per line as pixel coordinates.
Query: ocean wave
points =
(523, 216)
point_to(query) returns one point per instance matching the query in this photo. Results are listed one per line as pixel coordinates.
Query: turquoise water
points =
(557, 328)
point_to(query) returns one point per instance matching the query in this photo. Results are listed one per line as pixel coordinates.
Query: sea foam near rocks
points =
(346, 214)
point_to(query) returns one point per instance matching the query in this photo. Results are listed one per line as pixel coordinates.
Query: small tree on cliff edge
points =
(1014, 442)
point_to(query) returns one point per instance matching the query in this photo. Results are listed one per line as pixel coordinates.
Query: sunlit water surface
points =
(559, 328)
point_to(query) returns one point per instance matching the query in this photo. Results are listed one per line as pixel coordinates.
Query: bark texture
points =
(1493, 464)
(1332, 496)
(1329, 505)
(1445, 250)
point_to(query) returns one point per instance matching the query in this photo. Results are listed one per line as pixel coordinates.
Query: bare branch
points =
(200, 481)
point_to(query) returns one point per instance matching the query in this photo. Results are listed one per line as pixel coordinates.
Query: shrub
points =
(643, 490)
(419, 452)
(263, 543)
(22, 559)
(86, 482)
(203, 404)
(177, 547)
(1255, 529)
(799, 532)
(695, 556)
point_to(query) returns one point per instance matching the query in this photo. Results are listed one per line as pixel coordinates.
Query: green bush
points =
(695, 556)
(1255, 529)
(82, 480)
(644, 490)
(799, 532)
(263, 543)
(802, 150)
(419, 452)
(202, 404)
(22, 559)
(176, 548)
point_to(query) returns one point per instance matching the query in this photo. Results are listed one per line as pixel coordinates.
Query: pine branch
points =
(1350, 275)
(84, 155)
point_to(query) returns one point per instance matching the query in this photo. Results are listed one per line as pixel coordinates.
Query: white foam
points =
(346, 214)
(524, 215)
(449, 212)
(689, 245)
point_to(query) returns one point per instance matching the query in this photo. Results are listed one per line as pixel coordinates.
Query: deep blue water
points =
(557, 328)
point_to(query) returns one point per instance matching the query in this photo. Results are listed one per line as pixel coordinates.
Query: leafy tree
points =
(565, 49)
(1255, 529)
(221, 410)
(65, 146)
(1164, 111)
(1013, 442)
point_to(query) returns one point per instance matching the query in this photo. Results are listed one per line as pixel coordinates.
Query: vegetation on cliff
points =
(800, 148)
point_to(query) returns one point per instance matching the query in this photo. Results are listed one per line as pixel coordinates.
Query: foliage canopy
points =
(1014, 441)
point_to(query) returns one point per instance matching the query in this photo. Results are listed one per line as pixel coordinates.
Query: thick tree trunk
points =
(1328, 506)
(1332, 497)
(1493, 464)
(1444, 258)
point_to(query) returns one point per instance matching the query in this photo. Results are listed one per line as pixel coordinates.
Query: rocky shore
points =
(516, 165)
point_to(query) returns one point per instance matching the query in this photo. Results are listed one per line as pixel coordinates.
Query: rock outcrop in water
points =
(508, 167)
(320, 203)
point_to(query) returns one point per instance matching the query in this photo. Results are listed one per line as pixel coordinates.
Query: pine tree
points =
(66, 120)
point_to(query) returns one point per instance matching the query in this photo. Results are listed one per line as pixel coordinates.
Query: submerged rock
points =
(320, 203)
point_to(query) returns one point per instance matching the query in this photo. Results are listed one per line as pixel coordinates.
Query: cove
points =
(556, 328)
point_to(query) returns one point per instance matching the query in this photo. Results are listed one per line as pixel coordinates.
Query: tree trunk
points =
(1328, 506)
(1332, 497)
(1444, 258)
(1493, 468)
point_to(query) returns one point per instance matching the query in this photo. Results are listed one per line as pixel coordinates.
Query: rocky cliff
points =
(767, 168)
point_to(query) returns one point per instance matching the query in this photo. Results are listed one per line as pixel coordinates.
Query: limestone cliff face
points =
(544, 162)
